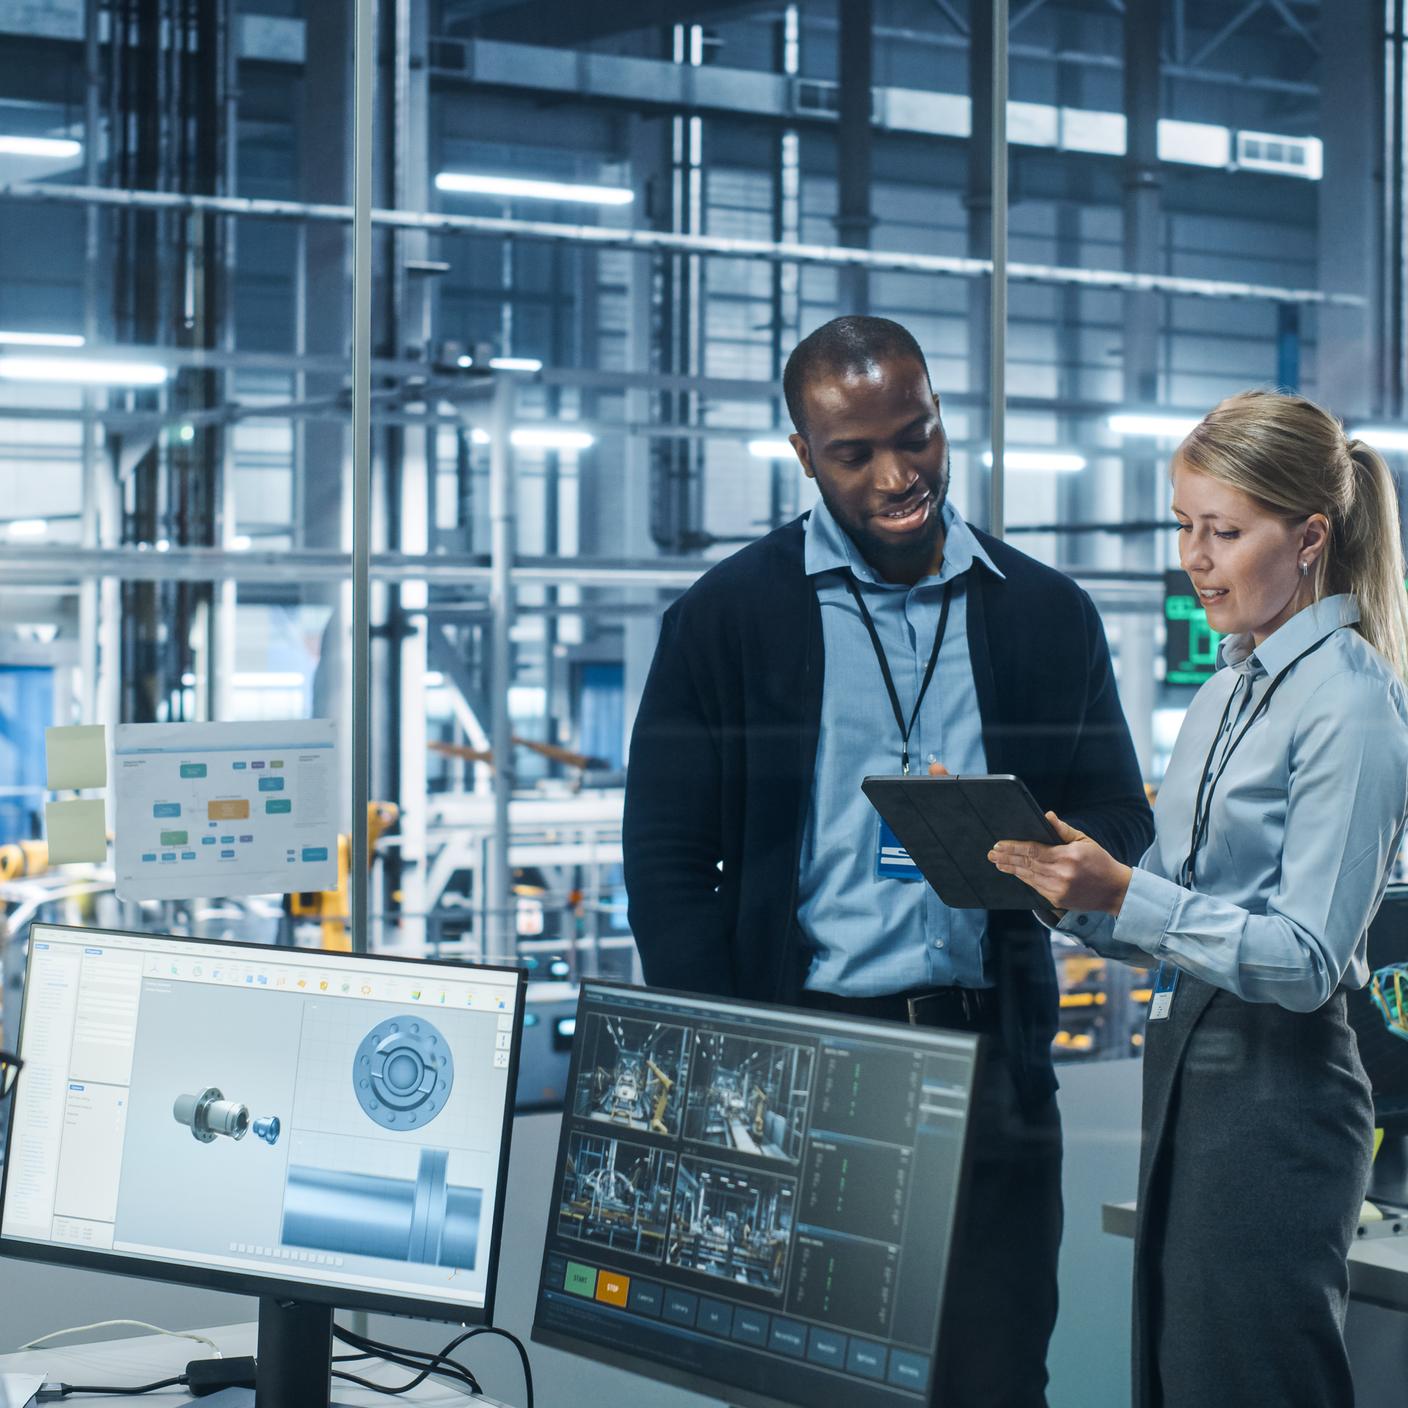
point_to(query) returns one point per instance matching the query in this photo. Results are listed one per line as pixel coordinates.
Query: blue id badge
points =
(1165, 985)
(892, 861)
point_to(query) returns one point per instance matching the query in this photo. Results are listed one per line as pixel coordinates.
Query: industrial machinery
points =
(617, 1194)
(636, 1075)
(731, 1223)
(748, 1096)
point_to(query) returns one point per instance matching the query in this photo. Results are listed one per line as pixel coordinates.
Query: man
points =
(752, 857)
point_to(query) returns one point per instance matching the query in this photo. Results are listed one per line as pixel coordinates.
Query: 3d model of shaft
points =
(209, 1114)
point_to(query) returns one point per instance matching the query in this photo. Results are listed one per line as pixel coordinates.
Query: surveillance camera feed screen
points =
(303, 1115)
(756, 1200)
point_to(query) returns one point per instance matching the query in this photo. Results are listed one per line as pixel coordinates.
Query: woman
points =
(1275, 831)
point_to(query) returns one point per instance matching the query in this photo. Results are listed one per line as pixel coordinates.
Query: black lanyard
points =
(905, 730)
(1207, 780)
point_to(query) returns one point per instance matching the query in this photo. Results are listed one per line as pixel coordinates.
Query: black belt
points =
(961, 1009)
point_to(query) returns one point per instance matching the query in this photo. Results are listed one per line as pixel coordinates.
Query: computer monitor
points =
(756, 1203)
(317, 1129)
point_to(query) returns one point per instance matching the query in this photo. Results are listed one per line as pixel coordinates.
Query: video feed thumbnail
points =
(731, 1223)
(749, 1096)
(632, 1074)
(616, 1194)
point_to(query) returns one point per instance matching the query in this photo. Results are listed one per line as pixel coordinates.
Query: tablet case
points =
(949, 824)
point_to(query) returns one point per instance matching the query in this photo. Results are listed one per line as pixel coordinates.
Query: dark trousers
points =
(1000, 1303)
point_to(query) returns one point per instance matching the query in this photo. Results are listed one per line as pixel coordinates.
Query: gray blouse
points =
(1305, 823)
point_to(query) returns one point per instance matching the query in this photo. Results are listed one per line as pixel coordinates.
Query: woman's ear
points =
(1313, 538)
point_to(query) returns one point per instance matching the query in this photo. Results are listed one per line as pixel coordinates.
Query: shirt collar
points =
(1307, 627)
(829, 548)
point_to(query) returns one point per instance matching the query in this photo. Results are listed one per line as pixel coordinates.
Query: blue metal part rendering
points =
(267, 1129)
(403, 1072)
(423, 1220)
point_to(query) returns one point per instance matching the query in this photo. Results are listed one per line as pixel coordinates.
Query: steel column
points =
(364, 53)
(854, 140)
(1142, 479)
(497, 897)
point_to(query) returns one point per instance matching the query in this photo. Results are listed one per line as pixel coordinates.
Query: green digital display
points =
(1190, 644)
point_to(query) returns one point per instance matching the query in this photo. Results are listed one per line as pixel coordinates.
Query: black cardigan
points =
(724, 749)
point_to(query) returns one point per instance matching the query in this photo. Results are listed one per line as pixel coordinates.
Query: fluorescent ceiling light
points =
(516, 188)
(1060, 461)
(26, 529)
(268, 679)
(538, 437)
(41, 339)
(516, 364)
(546, 437)
(1158, 427)
(40, 146)
(81, 369)
(772, 449)
(1383, 437)
(1194, 143)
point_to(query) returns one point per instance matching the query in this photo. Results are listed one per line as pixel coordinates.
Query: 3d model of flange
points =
(209, 1114)
(403, 1072)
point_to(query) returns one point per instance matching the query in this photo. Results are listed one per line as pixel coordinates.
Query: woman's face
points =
(1243, 561)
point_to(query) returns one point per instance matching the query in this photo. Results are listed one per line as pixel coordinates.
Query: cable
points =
(140, 1324)
(202, 1377)
(50, 1392)
(408, 1358)
(424, 1361)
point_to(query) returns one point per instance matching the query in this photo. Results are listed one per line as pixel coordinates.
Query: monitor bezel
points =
(249, 1282)
(734, 1394)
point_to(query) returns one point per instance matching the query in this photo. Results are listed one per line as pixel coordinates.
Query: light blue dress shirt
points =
(1304, 828)
(871, 936)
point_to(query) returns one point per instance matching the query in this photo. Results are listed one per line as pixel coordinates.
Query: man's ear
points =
(804, 454)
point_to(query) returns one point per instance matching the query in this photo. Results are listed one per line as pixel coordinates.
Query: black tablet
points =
(949, 824)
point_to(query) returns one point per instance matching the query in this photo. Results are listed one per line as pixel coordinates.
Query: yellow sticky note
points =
(76, 830)
(77, 756)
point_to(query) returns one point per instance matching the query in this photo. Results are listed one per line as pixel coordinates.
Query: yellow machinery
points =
(331, 906)
(23, 858)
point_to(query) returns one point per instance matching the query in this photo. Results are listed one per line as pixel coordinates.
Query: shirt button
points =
(1082, 920)
(938, 943)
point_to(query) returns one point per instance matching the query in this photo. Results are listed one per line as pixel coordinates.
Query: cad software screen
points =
(276, 1112)
(763, 1200)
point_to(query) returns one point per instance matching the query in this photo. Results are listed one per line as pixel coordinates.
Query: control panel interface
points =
(762, 1200)
(283, 1113)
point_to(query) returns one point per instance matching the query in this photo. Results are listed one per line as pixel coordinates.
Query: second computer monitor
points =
(756, 1203)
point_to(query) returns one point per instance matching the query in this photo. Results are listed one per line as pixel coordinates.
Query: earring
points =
(1305, 569)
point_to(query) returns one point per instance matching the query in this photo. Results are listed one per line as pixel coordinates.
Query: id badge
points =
(892, 861)
(1165, 985)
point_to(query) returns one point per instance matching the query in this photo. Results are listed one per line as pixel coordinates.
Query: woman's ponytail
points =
(1371, 556)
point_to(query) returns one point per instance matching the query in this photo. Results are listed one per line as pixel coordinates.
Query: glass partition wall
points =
(398, 364)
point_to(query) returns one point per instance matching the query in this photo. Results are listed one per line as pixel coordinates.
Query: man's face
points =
(876, 447)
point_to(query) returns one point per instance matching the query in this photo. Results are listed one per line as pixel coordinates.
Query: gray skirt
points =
(1257, 1139)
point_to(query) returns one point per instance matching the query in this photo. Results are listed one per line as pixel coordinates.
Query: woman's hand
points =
(1077, 874)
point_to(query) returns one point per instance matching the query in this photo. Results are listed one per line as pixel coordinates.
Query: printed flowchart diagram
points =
(225, 809)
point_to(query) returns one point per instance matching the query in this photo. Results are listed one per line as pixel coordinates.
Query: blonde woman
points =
(1275, 830)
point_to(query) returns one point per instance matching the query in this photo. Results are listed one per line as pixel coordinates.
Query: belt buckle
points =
(925, 1000)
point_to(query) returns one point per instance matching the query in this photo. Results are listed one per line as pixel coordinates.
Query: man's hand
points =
(939, 770)
(1076, 874)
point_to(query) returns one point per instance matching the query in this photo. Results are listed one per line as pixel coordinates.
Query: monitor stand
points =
(294, 1356)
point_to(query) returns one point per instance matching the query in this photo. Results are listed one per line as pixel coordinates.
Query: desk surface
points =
(150, 1357)
(1378, 1266)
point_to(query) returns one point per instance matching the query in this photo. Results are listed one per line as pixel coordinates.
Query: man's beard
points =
(882, 553)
